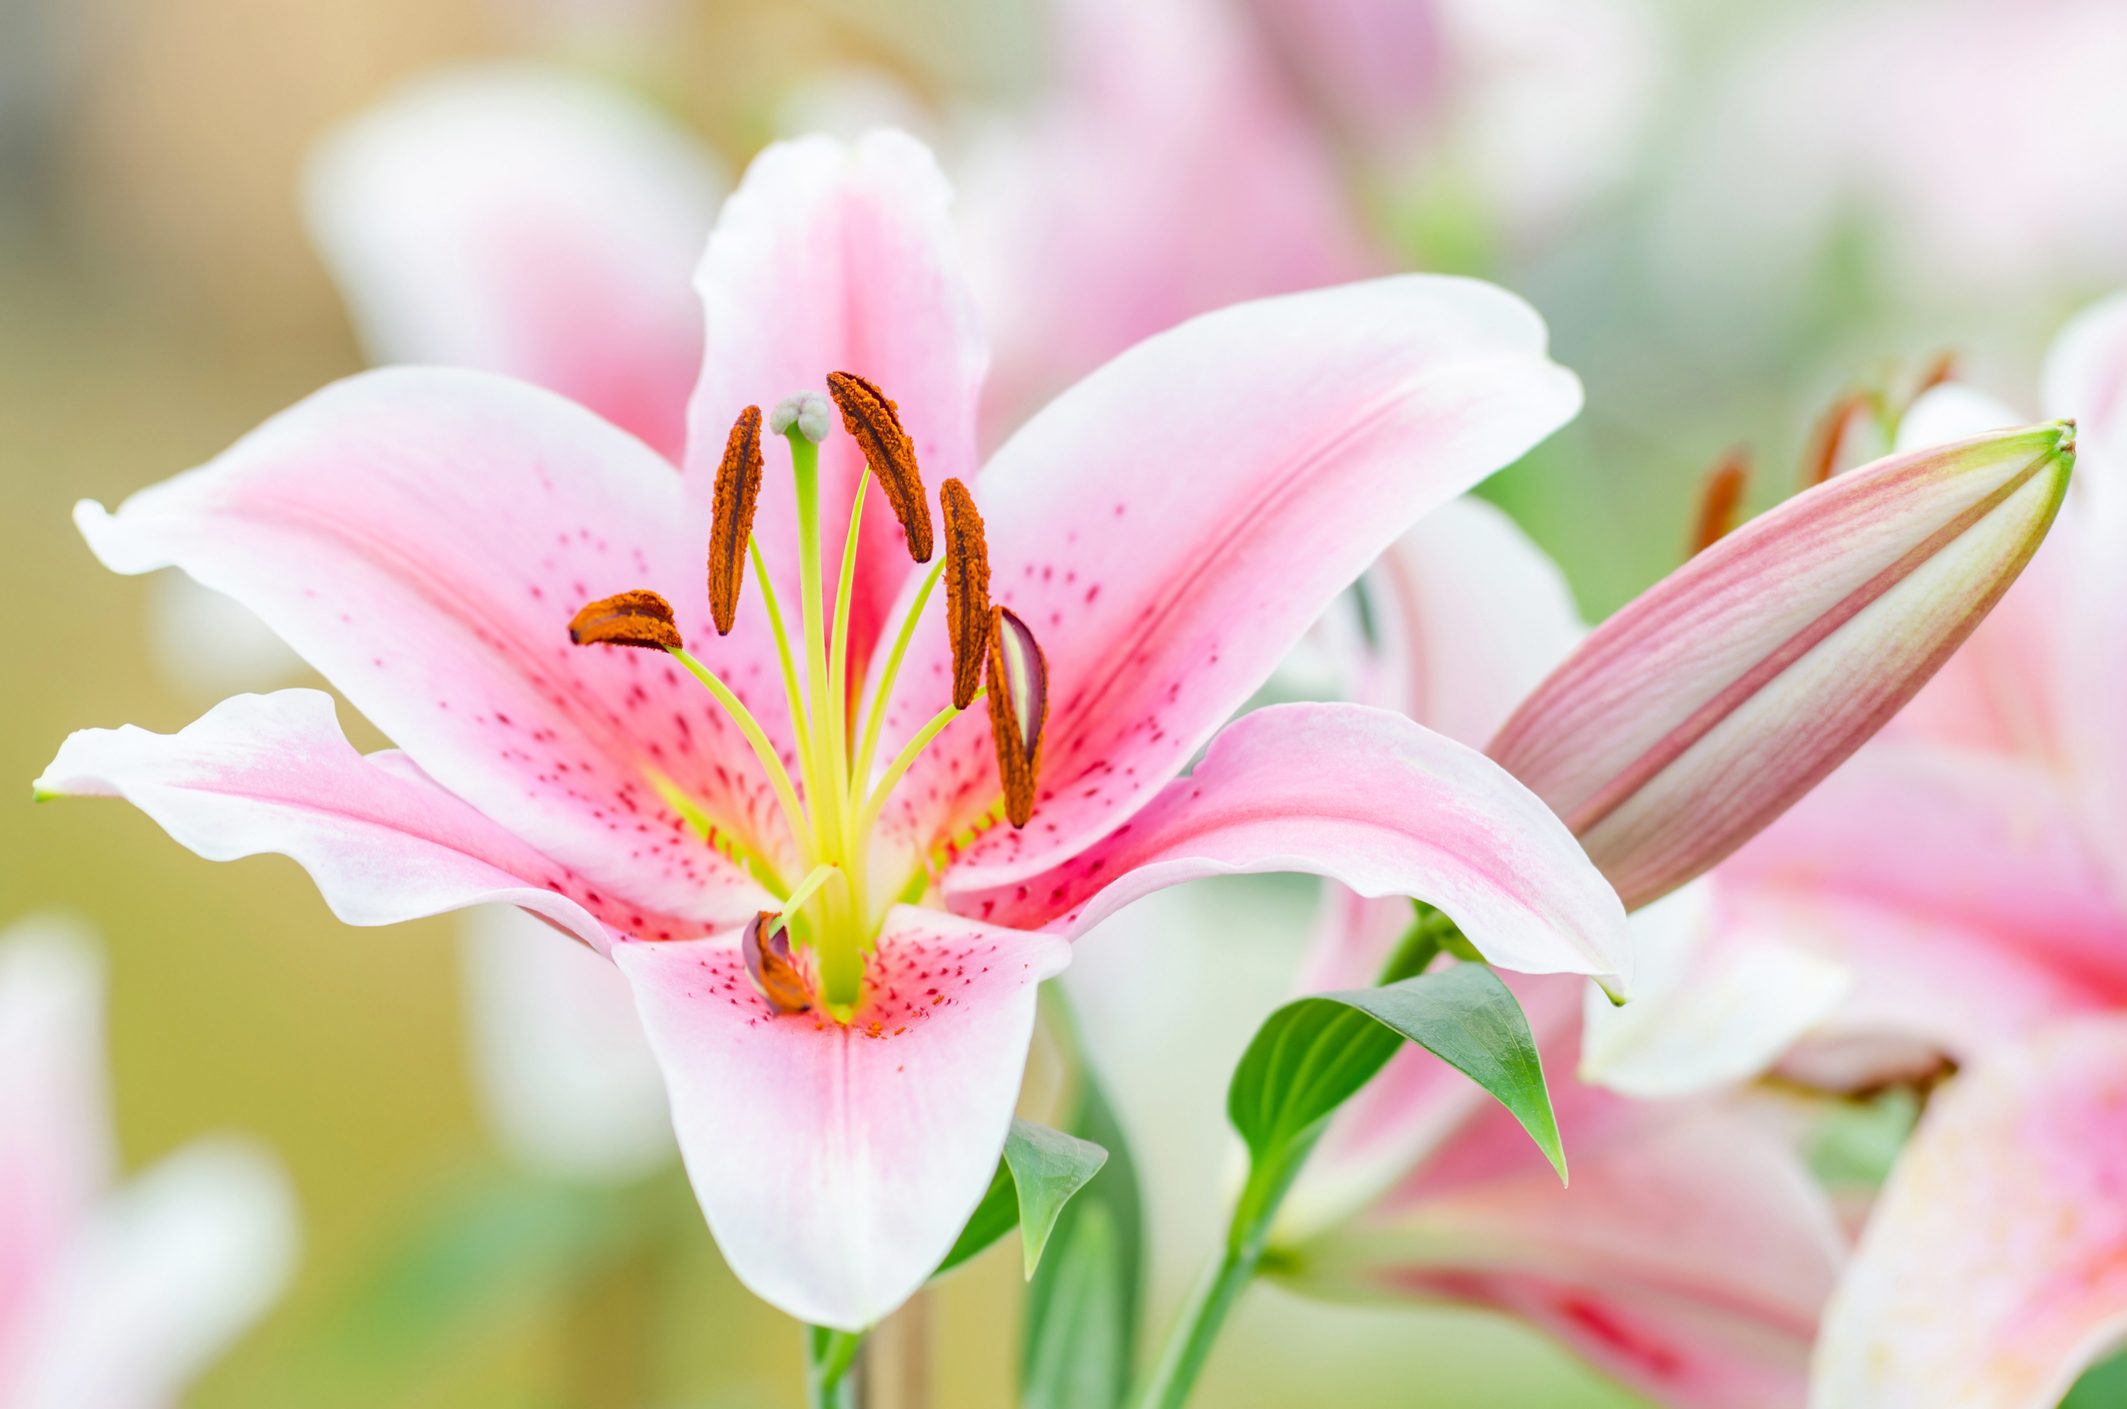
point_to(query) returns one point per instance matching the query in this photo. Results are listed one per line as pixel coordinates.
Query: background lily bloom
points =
(1961, 887)
(1692, 1252)
(112, 1297)
(1167, 528)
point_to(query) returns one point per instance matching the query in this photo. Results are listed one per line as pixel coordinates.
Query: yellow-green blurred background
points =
(158, 298)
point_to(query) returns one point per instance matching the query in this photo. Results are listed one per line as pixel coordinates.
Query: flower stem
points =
(1190, 1346)
(1248, 1233)
(828, 1356)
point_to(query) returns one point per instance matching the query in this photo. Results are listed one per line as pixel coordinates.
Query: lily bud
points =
(1691, 719)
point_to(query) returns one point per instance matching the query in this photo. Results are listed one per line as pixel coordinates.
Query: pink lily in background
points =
(1252, 147)
(1213, 187)
(114, 1298)
(832, 936)
(1855, 121)
(1963, 885)
(1693, 1253)
(522, 220)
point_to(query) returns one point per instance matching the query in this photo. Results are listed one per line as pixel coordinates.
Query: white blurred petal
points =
(558, 1055)
(1708, 1013)
(169, 1271)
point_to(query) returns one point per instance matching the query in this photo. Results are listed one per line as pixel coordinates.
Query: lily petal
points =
(834, 257)
(1706, 1014)
(2086, 377)
(1170, 526)
(519, 219)
(170, 1270)
(1362, 795)
(1960, 890)
(272, 774)
(1689, 1258)
(422, 537)
(1471, 616)
(836, 1164)
(1214, 187)
(56, 1140)
(1994, 1269)
(1703, 709)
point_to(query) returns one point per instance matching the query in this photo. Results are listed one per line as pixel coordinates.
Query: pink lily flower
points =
(1965, 878)
(832, 937)
(519, 219)
(1692, 1253)
(114, 1298)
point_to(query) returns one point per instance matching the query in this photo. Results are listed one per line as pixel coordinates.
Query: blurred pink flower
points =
(1187, 154)
(114, 1298)
(422, 536)
(1962, 883)
(1862, 123)
(1692, 1252)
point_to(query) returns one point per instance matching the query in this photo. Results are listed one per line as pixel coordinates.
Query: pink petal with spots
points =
(834, 257)
(422, 537)
(1361, 795)
(836, 1165)
(261, 774)
(1471, 615)
(1994, 1269)
(1689, 1257)
(1170, 526)
(523, 220)
(1706, 707)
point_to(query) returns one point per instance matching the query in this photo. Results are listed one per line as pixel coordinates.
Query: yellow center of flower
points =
(833, 913)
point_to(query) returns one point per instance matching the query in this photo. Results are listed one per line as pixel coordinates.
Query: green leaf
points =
(1079, 1346)
(2103, 1385)
(1040, 1170)
(1077, 1343)
(1314, 1054)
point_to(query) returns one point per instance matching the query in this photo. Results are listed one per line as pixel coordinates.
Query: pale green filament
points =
(884, 695)
(778, 778)
(906, 759)
(830, 910)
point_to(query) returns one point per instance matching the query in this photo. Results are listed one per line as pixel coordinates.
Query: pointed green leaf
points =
(1314, 1054)
(1049, 1167)
(1039, 1172)
(1079, 1346)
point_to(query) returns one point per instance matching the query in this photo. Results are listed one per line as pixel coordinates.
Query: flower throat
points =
(811, 951)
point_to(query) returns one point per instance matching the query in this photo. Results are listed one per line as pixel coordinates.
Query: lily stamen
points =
(832, 806)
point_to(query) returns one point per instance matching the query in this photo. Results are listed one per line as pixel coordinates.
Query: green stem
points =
(1189, 1346)
(828, 1356)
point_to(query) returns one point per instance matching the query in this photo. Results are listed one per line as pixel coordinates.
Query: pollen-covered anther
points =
(1019, 708)
(738, 490)
(1720, 498)
(765, 947)
(875, 424)
(637, 618)
(967, 589)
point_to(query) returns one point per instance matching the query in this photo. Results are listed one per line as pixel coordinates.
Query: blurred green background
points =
(158, 298)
